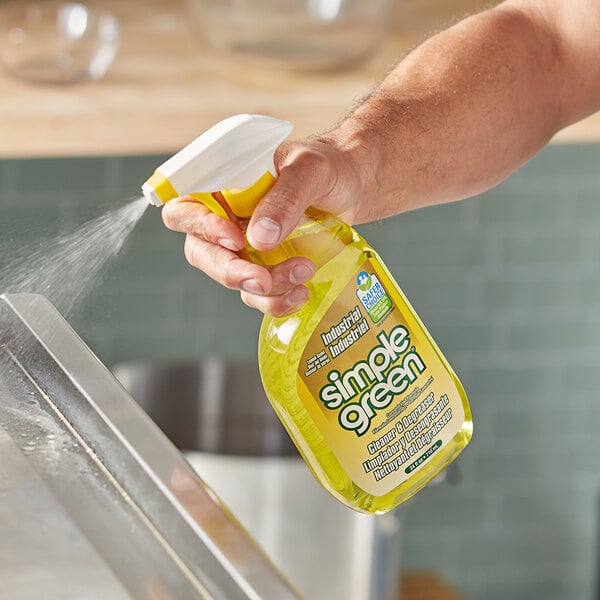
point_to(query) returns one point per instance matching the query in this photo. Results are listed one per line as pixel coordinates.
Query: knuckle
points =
(223, 273)
(190, 250)
(206, 225)
(315, 163)
(185, 217)
(197, 226)
(170, 217)
(226, 279)
(197, 254)
(280, 201)
(313, 158)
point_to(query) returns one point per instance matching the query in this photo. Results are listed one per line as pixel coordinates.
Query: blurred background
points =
(508, 282)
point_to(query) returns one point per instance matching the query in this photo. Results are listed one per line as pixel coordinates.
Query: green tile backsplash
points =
(509, 285)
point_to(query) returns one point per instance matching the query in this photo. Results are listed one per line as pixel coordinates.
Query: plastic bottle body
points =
(369, 400)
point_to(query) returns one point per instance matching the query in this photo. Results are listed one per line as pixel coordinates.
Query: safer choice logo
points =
(372, 296)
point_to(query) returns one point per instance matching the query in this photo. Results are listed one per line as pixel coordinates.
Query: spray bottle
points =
(366, 395)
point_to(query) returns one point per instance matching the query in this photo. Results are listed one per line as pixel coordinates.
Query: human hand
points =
(314, 173)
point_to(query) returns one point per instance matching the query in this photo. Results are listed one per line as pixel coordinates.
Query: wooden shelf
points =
(165, 88)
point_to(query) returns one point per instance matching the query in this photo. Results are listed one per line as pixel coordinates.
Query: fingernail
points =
(297, 296)
(266, 231)
(300, 274)
(252, 286)
(229, 244)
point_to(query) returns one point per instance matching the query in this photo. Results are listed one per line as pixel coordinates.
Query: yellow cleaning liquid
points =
(368, 398)
(371, 403)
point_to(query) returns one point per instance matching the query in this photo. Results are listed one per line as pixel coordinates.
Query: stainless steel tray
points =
(95, 502)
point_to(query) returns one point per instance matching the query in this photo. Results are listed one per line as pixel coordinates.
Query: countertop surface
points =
(164, 88)
(425, 585)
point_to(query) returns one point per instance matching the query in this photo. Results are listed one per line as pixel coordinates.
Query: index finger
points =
(188, 215)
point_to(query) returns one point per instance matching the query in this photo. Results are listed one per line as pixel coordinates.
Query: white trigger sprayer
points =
(235, 154)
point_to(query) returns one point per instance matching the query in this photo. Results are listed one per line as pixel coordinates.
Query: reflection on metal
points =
(95, 502)
(215, 406)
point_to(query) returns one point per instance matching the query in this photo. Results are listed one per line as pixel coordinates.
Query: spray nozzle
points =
(234, 157)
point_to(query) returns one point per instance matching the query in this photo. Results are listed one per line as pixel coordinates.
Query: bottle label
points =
(377, 388)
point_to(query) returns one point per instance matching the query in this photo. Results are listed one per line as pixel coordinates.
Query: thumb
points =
(305, 176)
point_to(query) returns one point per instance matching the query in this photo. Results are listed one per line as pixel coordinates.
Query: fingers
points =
(288, 294)
(278, 306)
(226, 267)
(275, 290)
(187, 215)
(213, 244)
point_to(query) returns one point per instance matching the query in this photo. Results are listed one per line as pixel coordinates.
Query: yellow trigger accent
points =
(210, 203)
(243, 201)
(162, 187)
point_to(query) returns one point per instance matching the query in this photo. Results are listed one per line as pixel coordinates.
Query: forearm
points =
(455, 117)
(463, 111)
